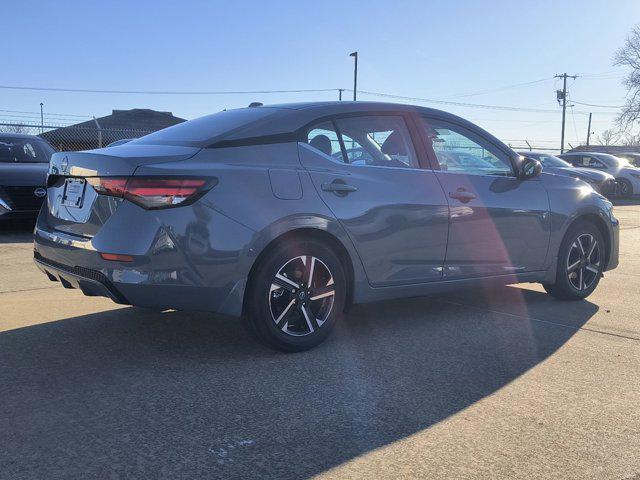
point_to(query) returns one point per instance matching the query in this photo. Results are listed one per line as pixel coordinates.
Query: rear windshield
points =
(201, 131)
(24, 150)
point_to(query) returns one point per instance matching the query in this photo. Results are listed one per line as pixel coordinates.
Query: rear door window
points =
(324, 138)
(381, 141)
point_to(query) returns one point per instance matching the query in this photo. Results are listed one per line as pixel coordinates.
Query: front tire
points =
(296, 295)
(580, 263)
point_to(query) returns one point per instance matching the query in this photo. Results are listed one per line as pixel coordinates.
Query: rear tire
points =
(296, 295)
(580, 263)
(625, 189)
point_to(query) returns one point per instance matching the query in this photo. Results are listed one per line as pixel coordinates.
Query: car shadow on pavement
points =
(133, 393)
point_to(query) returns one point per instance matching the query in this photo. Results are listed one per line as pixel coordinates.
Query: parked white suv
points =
(627, 176)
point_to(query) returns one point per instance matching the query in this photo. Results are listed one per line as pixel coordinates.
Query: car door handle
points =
(338, 187)
(462, 195)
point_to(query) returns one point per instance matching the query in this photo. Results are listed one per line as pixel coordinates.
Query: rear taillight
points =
(153, 192)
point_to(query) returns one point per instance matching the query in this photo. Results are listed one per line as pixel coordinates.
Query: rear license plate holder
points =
(73, 195)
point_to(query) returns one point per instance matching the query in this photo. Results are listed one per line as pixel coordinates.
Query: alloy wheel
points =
(583, 262)
(623, 189)
(301, 295)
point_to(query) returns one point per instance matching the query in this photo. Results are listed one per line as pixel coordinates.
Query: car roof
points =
(291, 117)
(320, 109)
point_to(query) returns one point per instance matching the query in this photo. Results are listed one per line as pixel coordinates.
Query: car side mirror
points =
(530, 168)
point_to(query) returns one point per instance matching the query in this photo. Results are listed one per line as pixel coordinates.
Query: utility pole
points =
(340, 90)
(589, 129)
(562, 95)
(41, 118)
(355, 73)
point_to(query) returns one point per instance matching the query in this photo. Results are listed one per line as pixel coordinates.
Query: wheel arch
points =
(597, 221)
(306, 233)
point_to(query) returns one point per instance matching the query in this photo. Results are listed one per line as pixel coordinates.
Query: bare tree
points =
(608, 137)
(14, 128)
(629, 56)
(631, 139)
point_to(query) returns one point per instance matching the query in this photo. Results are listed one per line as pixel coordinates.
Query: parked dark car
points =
(601, 181)
(24, 163)
(248, 213)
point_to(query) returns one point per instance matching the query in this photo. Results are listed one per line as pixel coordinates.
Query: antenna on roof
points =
(255, 104)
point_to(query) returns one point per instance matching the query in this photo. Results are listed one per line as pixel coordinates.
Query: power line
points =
(49, 114)
(461, 104)
(575, 129)
(595, 105)
(168, 92)
(37, 117)
(498, 89)
(243, 92)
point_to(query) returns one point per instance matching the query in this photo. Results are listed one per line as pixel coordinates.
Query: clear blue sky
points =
(433, 49)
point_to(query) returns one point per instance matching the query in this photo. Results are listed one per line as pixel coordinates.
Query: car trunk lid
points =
(74, 206)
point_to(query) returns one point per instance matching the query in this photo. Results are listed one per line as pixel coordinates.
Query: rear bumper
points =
(91, 282)
(19, 202)
(9, 212)
(182, 265)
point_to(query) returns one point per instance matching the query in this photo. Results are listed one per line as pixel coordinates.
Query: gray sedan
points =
(259, 213)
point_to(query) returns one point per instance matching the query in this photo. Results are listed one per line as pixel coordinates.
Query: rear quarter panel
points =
(264, 189)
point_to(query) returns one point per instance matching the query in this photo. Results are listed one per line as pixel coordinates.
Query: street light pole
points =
(589, 129)
(355, 74)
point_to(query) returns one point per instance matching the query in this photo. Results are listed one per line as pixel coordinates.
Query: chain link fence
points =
(70, 138)
(73, 138)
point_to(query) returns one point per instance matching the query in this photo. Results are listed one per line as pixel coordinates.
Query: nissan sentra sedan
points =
(259, 213)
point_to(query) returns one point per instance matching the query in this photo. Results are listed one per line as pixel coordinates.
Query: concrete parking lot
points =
(485, 384)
